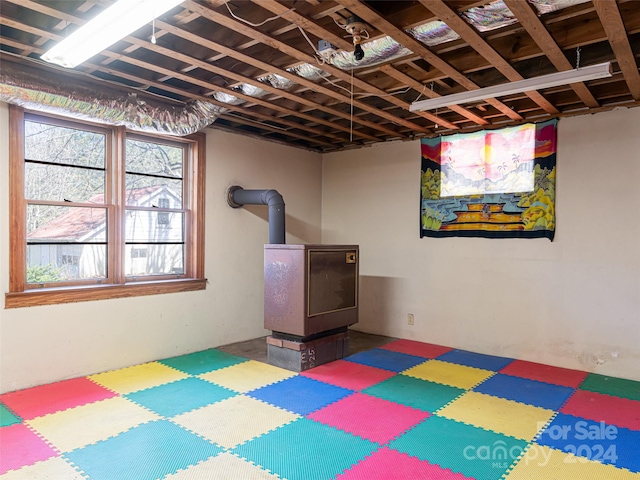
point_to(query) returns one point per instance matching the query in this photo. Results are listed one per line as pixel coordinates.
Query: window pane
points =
(143, 191)
(154, 259)
(46, 224)
(48, 263)
(52, 143)
(154, 158)
(53, 182)
(149, 226)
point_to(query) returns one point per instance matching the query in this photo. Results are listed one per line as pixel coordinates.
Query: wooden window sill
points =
(52, 296)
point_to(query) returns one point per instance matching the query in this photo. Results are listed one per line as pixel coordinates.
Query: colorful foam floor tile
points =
(37, 401)
(387, 464)
(417, 349)
(300, 395)
(179, 397)
(369, 417)
(353, 376)
(247, 376)
(527, 391)
(477, 360)
(306, 450)
(147, 452)
(597, 441)
(225, 466)
(55, 468)
(415, 392)
(404, 410)
(235, 420)
(545, 373)
(7, 417)
(80, 426)
(544, 462)
(464, 449)
(19, 446)
(139, 377)
(446, 373)
(604, 408)
(202, 362)
(386, 359)
(498, 415)
(618, 387)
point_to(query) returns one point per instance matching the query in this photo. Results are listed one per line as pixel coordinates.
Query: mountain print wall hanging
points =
(491, 183)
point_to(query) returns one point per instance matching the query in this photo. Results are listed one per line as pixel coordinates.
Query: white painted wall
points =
(50, 343)
(573, 302)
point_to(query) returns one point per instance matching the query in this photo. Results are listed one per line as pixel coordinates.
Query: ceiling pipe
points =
(238, 196)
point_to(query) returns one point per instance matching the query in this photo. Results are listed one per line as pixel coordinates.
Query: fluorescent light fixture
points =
(116, 22)
(567, 77)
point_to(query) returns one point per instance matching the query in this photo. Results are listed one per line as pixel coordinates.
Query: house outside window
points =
(163, 217)
(100, 206)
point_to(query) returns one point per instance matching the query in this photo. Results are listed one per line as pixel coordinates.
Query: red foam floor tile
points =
(19, 447)
(353, 376)
(545, 373)
(419, 349)
(54, 397)
(387, 464)
(617, 411)
(369, 417)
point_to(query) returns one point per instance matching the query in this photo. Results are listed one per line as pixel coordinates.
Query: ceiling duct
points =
(79, 96)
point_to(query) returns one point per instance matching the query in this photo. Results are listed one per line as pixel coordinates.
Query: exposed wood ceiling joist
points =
(205, 53)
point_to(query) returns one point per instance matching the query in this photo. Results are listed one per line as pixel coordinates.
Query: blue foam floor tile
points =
(386, 359)
(597, 441)
(300, 395)
(306, 450)
(179, 397)
(527, 391)
(477, 360)
(147, 452)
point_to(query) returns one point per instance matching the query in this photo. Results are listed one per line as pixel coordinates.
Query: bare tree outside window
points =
(96, 213)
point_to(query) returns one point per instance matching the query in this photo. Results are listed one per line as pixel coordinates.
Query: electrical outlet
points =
(410, 319)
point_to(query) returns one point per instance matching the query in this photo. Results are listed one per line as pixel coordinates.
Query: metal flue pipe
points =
(238, 196)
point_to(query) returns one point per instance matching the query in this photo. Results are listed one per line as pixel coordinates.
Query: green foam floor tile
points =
(414, 392)
(465, 449)
(202, 362)
(618, 387)
(7, 418)
(306, 450)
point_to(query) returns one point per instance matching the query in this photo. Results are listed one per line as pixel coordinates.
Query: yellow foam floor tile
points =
(225, 466)
(228, 424)
(53, 469)
(138, 377)
(447, 373)
(497, 414)
(551, 464)
(247, 376)
(87, 424)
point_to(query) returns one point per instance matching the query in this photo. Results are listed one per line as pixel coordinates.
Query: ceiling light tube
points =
(116, 22)
(567, 77)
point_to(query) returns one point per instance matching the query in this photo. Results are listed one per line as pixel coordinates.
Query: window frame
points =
(116, 285)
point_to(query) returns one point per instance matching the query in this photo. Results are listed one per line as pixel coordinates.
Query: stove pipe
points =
(238, 196)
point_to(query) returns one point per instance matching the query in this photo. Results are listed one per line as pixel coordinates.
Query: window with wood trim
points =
(99, 212)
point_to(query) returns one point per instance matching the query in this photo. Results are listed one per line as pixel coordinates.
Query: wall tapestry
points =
(491, 183)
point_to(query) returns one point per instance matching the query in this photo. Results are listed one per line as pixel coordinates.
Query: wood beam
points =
(372, 17)
(475, 41)
(536, 29)
(614, 28)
